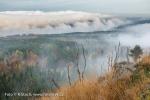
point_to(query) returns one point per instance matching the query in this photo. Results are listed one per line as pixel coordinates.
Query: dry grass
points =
(145, 60)
(108, 88)
(85, 90)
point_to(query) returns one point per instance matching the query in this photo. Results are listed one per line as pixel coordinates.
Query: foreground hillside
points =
(21, 72)
(112, 86)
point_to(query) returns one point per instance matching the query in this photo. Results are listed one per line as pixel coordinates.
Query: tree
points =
(136, 52)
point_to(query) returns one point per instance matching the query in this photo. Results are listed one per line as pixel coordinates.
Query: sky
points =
(103, 6)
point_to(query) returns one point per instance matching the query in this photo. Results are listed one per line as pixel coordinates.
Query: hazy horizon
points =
(99, 6)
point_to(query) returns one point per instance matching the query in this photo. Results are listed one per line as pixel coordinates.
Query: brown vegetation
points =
(17, 61)
(109, 87)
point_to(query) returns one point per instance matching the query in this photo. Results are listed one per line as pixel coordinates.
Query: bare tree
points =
(52, 79)
(83, 51)
(110, 62)
(77, 62)
(117, 51)
(56, 85)
(127, 55)
(69, 78)
(80, 74)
